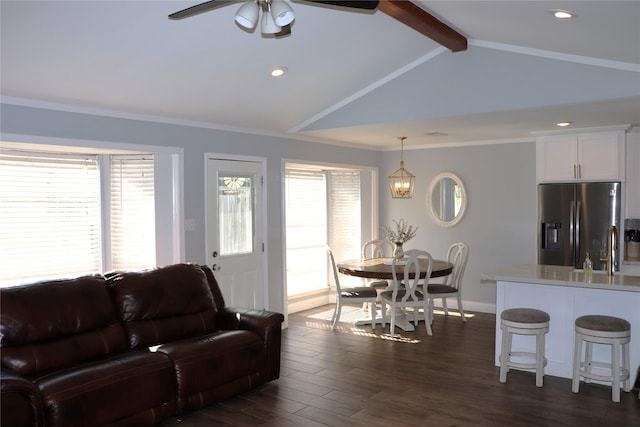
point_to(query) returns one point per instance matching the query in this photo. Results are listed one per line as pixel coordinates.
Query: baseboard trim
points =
(471, 306)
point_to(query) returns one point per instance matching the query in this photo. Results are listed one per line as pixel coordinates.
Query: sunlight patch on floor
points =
(346, 325)
(360, 331)
(350, 314)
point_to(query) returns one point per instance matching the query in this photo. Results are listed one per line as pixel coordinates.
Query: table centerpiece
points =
(402, 232)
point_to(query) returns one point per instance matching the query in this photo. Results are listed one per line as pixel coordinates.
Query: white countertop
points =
(563, 276)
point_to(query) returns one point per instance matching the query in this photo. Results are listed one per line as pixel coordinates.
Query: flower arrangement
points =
(403, 231)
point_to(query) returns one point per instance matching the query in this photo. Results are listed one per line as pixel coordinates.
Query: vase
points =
(397, 249)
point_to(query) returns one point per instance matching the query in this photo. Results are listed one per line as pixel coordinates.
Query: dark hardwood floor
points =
(353, 377)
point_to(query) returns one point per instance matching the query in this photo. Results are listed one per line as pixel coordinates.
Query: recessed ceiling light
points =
(278, 71)
(564, 124)
(562, 14)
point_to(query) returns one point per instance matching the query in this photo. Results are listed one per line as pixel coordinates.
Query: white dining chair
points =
(377, 248)
(451, 287)
(406, 291)
(357, 295)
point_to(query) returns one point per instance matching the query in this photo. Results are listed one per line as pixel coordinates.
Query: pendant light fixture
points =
(401, 182)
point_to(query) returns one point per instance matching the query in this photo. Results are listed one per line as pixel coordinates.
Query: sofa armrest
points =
(262, 322)
(21, 404)
(267, 324)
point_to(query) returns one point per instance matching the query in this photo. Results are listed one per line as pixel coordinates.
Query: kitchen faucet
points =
(612, 244)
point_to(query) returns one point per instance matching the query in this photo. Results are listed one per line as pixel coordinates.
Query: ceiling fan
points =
(279, 24)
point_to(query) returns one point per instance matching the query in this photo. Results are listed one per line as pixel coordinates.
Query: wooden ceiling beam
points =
(425, 23)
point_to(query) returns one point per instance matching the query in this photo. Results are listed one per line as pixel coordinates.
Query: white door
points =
(234, 230)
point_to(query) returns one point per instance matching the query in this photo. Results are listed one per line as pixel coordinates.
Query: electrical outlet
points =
(189, 224)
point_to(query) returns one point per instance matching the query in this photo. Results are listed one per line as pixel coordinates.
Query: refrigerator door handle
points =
(572, 226)
(577, 237)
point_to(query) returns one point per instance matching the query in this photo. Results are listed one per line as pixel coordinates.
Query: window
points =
(322, 207)
(306, 213)
(69, 214)
(344, 214)
(132, 212)
(235, 215)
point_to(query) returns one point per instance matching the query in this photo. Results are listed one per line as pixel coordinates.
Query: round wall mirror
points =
(446, 199)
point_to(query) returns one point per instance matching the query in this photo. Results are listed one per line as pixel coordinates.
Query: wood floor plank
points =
(355, 377)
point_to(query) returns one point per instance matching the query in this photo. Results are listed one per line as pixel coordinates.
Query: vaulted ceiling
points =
(354, 77)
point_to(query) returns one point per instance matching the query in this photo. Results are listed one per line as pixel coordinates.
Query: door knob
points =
(215, 267)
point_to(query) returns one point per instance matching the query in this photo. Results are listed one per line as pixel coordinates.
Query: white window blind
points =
(321, 207)
(49, 216)
(345, 218)
(132, 206)
(306, 214)
(61, 216)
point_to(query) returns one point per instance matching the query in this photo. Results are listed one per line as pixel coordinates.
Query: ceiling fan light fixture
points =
(282, 13)
(268, 24)
(247, 15)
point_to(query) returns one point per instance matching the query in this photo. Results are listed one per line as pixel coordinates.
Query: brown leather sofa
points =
(128, 348)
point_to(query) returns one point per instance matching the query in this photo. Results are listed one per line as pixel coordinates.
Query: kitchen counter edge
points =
(563, 276)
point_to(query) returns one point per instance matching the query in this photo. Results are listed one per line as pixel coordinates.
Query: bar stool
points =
(523, 321)
(608, 330)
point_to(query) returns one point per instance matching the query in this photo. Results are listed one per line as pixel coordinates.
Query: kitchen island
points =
(566, 294)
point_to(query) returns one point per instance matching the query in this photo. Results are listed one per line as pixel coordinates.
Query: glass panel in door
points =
(235, 214)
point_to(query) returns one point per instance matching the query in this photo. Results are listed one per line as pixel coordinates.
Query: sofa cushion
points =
(164, 304)
(113, 389)
(56, 324)
(208, 362)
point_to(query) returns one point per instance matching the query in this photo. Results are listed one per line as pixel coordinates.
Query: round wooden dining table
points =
(382, 268)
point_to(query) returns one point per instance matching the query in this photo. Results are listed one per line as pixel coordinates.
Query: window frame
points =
(369, 200)
(168, 182)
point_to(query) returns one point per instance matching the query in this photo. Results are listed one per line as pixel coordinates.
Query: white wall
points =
(499, 225)
(195, 141)
(500, 221)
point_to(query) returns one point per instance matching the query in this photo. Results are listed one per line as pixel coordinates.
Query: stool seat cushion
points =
(603, 323)
(524, 315)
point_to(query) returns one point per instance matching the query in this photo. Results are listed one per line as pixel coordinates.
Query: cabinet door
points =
(633, 176)
(599, 156)
(557, 158)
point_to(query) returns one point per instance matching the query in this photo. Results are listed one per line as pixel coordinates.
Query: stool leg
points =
(577, 356)
(588, 352)
(615, 372)
(504, 355)
(627, 366)
(539, 358)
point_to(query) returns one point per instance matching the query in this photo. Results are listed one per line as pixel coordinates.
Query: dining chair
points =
(451, 287)
(357, 295)
(406, 292)
(377, 248)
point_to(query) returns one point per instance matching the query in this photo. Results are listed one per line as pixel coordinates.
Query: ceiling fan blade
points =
(425, 23)
(357, 4)
(200, 8)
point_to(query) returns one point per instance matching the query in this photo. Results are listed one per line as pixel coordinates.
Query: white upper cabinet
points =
(597, 156)
(633, 174)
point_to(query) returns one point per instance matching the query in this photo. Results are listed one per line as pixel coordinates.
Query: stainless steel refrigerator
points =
(574, 219)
